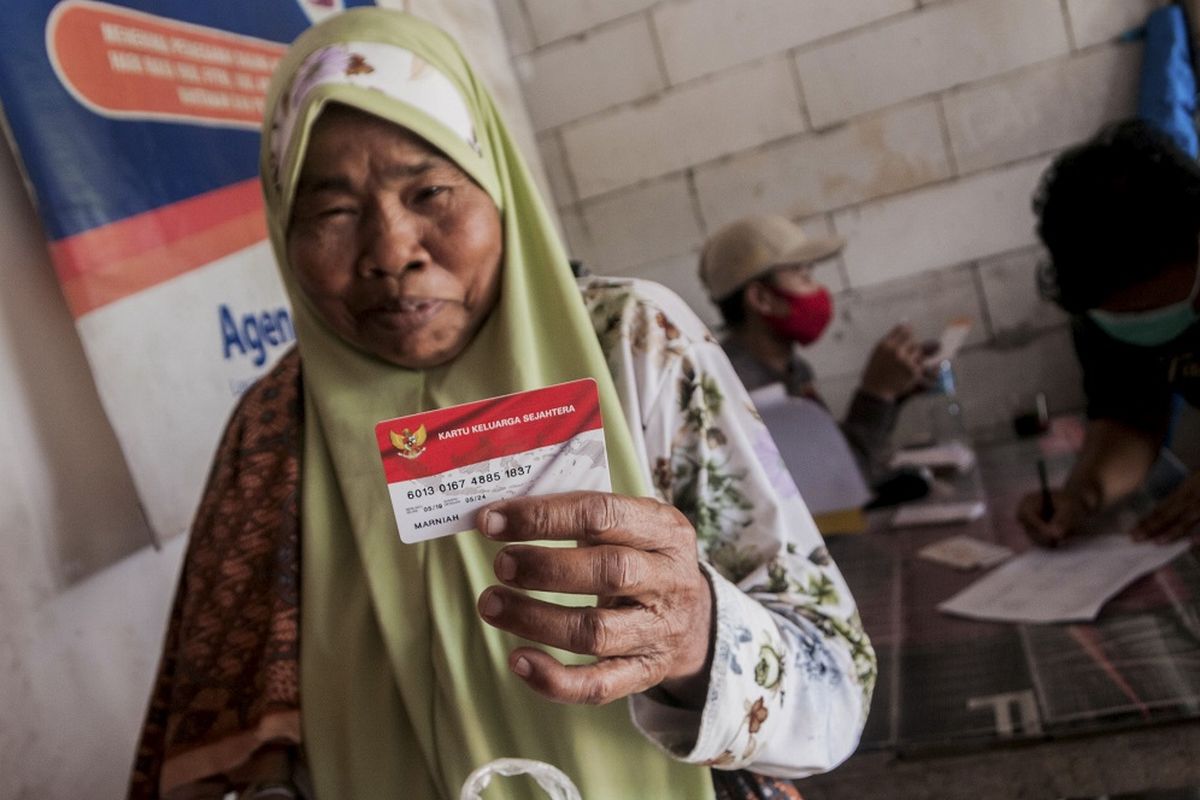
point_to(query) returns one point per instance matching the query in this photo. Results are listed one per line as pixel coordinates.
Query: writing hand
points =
(1068, 513)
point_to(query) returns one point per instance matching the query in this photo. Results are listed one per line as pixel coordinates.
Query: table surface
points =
(955, 696)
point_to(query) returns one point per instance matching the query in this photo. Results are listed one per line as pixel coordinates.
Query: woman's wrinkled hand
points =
(1175, 517)
(653, 623)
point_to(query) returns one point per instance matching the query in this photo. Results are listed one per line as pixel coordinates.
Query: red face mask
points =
(807, 317)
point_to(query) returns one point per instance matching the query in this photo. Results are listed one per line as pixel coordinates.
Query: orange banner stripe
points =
(100, 248)
(96, 287)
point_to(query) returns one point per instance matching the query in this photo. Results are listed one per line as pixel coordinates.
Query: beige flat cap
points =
(744, 250)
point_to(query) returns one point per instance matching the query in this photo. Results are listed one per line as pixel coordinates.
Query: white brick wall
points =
(740, 109)
(1096, 21)
(1009, 287)
(639, 225)
(576, 77)
(946, 224)
(918, 129)
(555, 163)
(1041, 109)
(516, 25)
(554, 19)
(705, 36)
(940, 47)
(578, 239)
(870, 157)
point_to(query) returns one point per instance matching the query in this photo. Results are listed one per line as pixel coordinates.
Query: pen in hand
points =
(1047, 510)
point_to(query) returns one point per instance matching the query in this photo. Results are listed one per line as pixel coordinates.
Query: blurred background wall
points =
(917, 129)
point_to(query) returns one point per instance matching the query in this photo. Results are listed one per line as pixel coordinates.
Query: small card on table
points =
(444, 465)
(965, 552)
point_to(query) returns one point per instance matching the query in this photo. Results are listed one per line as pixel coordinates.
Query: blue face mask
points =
(1150, 328)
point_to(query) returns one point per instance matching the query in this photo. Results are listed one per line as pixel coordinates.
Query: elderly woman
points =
(312, 653)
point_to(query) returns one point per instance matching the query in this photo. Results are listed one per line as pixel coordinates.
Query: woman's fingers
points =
(587, 517)
(588, 684)
(653, 619)
(593, 631)
(605, 570)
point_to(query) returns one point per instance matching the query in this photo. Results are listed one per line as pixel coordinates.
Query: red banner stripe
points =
(114, 261)
(99, 248)
(501, 426)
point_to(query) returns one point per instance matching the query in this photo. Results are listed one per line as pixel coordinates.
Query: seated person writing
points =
(758, 271)
(1120, 216)
(711, 643)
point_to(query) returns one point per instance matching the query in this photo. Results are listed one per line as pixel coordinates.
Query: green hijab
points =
(404, 689)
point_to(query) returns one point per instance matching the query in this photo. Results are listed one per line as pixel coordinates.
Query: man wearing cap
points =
(758, 271)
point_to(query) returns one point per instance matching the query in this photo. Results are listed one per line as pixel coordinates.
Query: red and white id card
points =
(442, 466)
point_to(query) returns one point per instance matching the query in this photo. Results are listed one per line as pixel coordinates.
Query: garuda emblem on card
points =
(409, 444)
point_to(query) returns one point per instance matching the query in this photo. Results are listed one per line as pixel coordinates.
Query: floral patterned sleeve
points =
(792, 670)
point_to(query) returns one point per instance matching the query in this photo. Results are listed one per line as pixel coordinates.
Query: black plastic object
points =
(901, 486)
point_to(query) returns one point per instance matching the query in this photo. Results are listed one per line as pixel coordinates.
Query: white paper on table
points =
(948, 455)
(1068, 584)
(921, 514)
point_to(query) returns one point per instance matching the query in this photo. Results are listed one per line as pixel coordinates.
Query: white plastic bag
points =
(552, 780)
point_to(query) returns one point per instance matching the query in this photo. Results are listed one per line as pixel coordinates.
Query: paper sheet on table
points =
(814, 450)
(1069, 584)
(947, 455)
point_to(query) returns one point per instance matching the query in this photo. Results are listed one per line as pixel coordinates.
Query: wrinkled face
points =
(396, 247)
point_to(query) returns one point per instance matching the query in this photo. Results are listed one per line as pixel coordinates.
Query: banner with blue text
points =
(136, 123)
